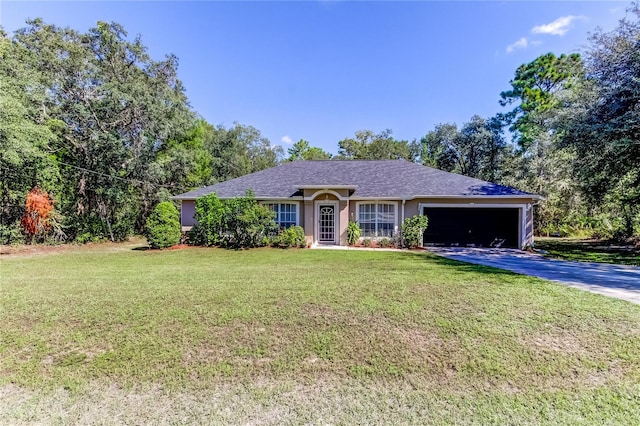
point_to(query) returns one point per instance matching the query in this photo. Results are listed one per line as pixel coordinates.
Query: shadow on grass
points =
(456, 264)
(593, 276)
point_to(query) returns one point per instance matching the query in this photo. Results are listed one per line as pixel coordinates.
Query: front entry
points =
(327, 223)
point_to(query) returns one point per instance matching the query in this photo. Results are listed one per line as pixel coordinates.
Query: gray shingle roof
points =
(398, 179)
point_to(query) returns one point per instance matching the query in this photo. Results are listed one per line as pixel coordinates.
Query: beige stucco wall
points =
(306, 221)
(343, 221)
(353, 214)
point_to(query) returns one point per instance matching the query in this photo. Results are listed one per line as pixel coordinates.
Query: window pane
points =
(385, 229)
(386, 213)
(366, 213)
(288, 214)
(368, 229)
(386, 220)
(367, 219)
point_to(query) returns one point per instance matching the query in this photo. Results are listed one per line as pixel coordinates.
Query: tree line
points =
(107, 131)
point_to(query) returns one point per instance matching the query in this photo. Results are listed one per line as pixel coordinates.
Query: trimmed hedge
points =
(413, 229)
(291, 237)
(162, 228)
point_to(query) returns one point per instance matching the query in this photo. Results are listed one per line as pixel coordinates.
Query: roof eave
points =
(356, 198)
(326, 187)
(193, 198)
(467, 196)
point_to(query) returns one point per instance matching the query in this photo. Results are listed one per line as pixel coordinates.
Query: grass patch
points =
(306, 336)
(588, 250)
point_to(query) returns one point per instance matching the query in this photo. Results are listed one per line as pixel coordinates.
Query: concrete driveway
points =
(619, 281)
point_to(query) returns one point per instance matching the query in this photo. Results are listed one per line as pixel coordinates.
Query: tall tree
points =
(368, 145)
(533, 91)
(302, 150)
(115, 107)
(435, 147)
(603, 122)
(184, 162)
(475, 150)
(539, 164)
(241, 150)
(25, 134)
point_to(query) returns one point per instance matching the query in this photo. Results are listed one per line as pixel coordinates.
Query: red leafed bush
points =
(39, 208)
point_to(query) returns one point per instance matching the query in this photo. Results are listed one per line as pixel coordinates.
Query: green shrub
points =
(11, 234)
(353, 233)
(240, 222)
(163, 226)
(247, 222)
(384, 242)
(413, 229)
(396, 240)
(291, 237)
(210, 216)
(366, 242)
(86, 237)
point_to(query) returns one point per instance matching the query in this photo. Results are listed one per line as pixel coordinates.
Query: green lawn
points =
(107, 334)
(585, 250)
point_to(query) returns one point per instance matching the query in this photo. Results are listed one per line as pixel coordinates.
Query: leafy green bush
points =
(247, 222)
(163, 226)
(86, 237)
(210, 217)
(353, 233)
(384, 242)
(291, 237)
(610, 224)
(239, 222)
(413, 229)
(11, 234)
(366, 242)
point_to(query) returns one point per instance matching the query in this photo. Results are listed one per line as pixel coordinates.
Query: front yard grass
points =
(268, 336)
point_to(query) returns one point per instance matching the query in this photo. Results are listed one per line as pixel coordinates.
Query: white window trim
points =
(376, 202)
(295, 203)
(522, 213)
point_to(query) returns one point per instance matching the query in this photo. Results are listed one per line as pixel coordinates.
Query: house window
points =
(377, 219)
(286, 214)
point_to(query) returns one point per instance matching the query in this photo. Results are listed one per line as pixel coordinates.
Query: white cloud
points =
(558, 27)
(286, 139)
(520, 44)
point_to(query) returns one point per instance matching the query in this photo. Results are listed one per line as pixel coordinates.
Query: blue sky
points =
(322, 70)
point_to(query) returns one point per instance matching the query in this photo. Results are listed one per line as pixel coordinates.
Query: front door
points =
(327, 223)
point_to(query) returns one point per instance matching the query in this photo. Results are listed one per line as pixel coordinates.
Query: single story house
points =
(323, 196)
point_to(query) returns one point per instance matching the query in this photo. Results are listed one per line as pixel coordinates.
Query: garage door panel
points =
(480, 227)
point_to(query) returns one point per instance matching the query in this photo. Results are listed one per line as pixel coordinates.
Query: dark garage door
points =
(479, 227)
